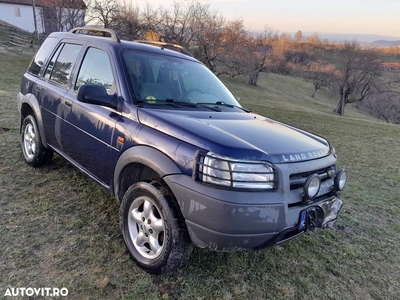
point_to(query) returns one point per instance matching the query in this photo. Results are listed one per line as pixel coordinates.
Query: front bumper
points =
(227, 220)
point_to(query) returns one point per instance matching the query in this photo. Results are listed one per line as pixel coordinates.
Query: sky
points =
(381, 17)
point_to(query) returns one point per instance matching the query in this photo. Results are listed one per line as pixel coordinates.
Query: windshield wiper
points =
(175, 103)
(165, 101)
(222, 103)
(172, 101)
(191, 104)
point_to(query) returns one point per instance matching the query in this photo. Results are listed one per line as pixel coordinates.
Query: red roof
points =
(390, 65)
(65, 3)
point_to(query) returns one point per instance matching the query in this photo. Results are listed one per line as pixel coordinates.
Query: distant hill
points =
(361, 38)
(385, 43)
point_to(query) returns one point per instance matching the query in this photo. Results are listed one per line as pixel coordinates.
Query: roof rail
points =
(114, 36)
(166, 45)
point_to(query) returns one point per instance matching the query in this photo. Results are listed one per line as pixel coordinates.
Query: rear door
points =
(89, 128)
(51, 88)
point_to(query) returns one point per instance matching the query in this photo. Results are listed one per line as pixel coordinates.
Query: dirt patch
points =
(4, 129)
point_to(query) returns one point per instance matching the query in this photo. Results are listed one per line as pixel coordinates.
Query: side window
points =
(64, 64)
(60, 67)
(51, 64)
(96, 69)
(41, 56)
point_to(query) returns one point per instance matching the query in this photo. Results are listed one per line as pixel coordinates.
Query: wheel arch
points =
(30, 106)
(140, 163)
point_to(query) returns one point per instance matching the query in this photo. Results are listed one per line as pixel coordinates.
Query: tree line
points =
(228, 47)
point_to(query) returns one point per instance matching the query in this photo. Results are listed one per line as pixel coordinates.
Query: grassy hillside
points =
(389, 58)
(287, 92)
(59, 229)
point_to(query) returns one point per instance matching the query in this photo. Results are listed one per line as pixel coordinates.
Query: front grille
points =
(326, 175)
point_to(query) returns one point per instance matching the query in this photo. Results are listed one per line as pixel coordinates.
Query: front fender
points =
(148, 156)
(26, 105)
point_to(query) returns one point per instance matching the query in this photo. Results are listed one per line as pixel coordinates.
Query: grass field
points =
(59, 229)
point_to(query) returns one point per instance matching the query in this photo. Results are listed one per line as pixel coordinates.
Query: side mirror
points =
(97, 94)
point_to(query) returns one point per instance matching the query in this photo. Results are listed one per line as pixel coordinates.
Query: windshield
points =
(161, 79)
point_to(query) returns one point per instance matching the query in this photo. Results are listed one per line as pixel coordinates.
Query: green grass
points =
(289, 93)
(389, 58)
(60, 229)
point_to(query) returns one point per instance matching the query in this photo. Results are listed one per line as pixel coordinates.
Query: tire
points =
(35, 154)
(153, 228)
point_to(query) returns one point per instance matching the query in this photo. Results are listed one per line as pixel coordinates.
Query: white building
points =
(51, 15)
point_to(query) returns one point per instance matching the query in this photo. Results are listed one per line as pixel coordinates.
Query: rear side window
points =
(96, 69)
(52, 62)
(42, 55)
(60, 67)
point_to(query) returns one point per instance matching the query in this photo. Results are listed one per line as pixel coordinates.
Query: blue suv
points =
(188, 164)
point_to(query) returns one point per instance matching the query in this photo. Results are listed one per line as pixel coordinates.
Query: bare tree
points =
(207, 28)
(356, 76)
(105, 12)
(246, 54)
(234, 54)
(321, 73)
(295, 61)
(63, 15)
(314, 40)
(128, 22)
(175, 24)
(384, 106)
(263, 58)
(151, 21)
(298, 36)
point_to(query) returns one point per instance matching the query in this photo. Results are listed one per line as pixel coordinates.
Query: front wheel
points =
(35, 153)
(153, 228)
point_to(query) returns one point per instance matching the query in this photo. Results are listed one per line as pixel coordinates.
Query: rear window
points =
(60, 67)
(42, 55)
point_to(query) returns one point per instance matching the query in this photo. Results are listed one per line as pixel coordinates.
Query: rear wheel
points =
(153, 228)
(34, 152)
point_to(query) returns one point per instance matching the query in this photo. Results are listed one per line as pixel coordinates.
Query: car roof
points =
(113, 40)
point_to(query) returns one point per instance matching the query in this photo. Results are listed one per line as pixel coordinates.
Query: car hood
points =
(236, 134)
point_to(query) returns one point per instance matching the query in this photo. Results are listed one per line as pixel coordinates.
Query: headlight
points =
(340, 179)
(333, 152)
(311, 186)
(241, 174)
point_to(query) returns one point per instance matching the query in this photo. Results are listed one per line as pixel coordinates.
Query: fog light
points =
(311, 186)
(340, 179)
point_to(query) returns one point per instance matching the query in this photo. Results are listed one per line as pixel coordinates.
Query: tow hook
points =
(322, 215)
(311, 218)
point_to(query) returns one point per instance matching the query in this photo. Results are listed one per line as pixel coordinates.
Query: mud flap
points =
(322, 215)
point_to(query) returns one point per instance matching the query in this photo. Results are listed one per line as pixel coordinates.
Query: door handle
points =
(68, 103)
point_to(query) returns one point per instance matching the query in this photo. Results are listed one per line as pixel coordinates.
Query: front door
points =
(89, 128)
